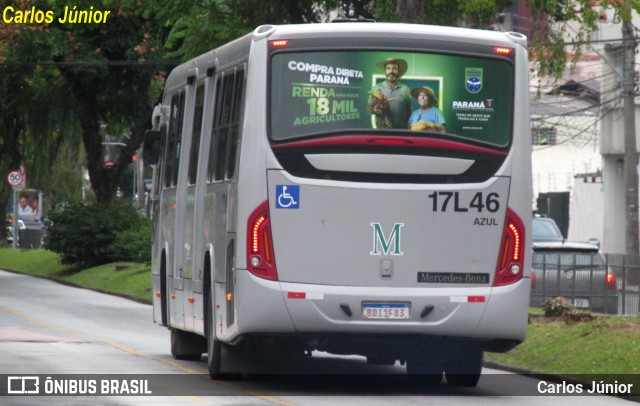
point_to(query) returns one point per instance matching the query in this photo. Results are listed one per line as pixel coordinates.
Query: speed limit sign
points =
(15, 178)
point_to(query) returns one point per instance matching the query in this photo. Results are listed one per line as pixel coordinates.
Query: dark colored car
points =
(545, 230)
(576, 271)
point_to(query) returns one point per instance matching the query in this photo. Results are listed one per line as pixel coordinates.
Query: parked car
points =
(21, 226)
(576, 271)
(30, 233)
(545, 230)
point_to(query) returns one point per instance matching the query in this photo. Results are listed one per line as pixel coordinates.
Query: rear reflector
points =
(305, 295)
(467, 299)
(510, 264)
(260, 258)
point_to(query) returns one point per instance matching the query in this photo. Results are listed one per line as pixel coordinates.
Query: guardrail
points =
(582, 280)
(626, 268)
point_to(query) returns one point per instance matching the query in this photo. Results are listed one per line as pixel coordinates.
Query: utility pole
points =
(630, 151)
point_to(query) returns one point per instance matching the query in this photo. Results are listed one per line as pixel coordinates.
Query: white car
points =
(21, 226)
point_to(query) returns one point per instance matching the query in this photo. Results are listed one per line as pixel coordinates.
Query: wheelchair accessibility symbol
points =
(287, 197)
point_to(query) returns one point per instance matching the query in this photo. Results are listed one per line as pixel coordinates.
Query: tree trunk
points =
(105, 180)
(100, 177)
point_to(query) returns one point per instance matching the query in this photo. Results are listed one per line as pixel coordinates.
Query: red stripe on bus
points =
(296, 295)
(354, 140)
(476, 299)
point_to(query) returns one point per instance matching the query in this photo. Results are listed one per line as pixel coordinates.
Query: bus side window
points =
(172, 156)
(238, 105)
(223, 128)
(171, 142)
(226, 123)
(215, 133)
(160, 169)
(195, 139)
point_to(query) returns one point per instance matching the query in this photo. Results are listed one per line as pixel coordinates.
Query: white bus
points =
(350, 188)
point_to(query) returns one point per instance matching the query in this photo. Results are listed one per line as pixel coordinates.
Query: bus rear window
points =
(340, 91)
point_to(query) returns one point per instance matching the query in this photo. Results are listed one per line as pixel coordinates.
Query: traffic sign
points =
(15, 178)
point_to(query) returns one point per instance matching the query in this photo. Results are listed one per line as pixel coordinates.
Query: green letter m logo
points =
(380, 241)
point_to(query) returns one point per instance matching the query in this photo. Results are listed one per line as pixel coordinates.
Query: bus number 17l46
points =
(451, 201)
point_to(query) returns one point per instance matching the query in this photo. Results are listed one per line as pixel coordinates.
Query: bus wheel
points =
(424, 370)
(214, 347)
(185, 346)
(465, 370)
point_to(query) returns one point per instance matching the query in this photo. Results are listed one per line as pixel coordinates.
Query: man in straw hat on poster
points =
(390, 100)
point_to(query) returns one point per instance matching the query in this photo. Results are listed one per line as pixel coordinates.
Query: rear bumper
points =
(482, 313)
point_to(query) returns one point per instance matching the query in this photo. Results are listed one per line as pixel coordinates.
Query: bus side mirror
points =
(151, 147)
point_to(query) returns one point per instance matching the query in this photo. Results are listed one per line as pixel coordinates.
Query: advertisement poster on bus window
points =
(318, 92)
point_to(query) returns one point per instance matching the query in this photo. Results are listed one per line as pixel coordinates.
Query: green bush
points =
(87, 235)
(135, 244)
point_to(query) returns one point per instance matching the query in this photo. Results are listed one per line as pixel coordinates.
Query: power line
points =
(581, 131)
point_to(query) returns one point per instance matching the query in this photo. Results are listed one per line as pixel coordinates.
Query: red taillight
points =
(611, 281)
(279, 43)
(533, 281)
(510, 265)
(260, 259)
(502, 50)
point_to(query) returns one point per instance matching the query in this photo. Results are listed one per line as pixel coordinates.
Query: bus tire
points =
(465, 370)
(214, 347)
(186, 346)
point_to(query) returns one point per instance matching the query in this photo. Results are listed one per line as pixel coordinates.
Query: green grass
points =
(134, 281)
(32, 262)
(585, 351)
(604, 346)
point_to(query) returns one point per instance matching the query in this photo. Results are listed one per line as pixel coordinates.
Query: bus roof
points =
(399, 30)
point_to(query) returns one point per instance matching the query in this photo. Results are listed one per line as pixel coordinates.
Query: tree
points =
(36, 126)
(410, 11)
(109, 69)
(105, 67)
(470, 13)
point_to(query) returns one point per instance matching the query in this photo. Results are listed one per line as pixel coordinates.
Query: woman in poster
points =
(427, 117)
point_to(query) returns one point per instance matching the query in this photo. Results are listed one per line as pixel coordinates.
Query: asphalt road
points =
(75, 340)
